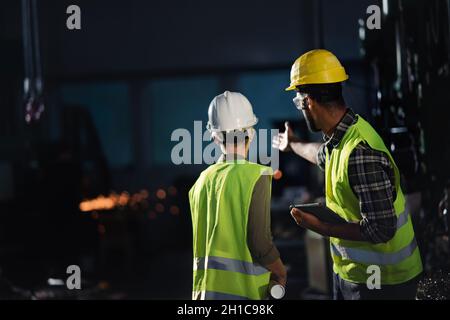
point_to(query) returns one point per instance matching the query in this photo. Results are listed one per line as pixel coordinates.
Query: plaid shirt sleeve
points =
(372, 180)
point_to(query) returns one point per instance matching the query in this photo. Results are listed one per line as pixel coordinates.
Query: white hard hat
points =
(230, 111)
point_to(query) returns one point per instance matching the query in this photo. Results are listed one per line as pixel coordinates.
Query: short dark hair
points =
(324, 93)
(235, 137)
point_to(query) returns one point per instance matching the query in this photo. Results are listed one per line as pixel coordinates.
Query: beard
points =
(310, 122)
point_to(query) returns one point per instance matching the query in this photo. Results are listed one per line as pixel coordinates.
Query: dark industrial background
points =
(86, 176)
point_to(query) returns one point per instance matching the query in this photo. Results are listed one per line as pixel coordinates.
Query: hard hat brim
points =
(300, 83)
(290, 88)
(250, 124)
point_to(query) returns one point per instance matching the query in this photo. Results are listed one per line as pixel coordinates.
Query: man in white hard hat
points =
(234, 256)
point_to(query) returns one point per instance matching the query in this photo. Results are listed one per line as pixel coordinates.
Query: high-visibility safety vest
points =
(223, 266)
(399, 258)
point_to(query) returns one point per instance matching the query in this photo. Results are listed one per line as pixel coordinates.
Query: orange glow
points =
(144, 193)
(124, 198)
(135, 199)
(99, 203)
(278, 174)
(159, 208)
(103, 285)
(114, 197)
(161, 194)
(84, 206)
(115, 200)
(174, 210)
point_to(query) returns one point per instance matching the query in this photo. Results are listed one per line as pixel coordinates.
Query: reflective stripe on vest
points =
(399, 257)
(212, 295)
(227, 264)
(402, 219)
(372, 257)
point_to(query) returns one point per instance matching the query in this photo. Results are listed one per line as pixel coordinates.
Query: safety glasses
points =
(299, 101)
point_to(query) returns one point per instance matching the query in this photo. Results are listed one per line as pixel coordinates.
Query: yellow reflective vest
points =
(399, 258)
(223, 267)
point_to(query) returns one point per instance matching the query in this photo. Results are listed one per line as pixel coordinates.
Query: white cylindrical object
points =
(277, 291)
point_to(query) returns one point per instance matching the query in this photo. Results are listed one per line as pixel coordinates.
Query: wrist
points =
(327, 229)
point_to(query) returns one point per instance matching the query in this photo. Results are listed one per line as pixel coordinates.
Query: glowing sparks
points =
(159, 208)
(174, 210)
(278, 174)
(140, 201)
(161, 194)
(113, 201)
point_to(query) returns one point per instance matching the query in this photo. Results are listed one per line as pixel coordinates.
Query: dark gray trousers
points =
(345, 290)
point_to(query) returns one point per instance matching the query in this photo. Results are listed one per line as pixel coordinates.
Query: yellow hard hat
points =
(316, 66)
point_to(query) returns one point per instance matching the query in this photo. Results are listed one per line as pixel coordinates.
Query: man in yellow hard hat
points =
(375, 255)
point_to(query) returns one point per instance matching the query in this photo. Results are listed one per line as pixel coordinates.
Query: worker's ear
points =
(309, 103)
(216, 141)
(217, 137)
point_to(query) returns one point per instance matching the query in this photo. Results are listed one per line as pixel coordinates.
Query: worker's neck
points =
(332, 119)
(239, 151)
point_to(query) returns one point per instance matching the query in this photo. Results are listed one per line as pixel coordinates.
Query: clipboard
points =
(321, 212)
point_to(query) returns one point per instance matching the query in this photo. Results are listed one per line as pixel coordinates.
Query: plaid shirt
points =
(372, 179)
